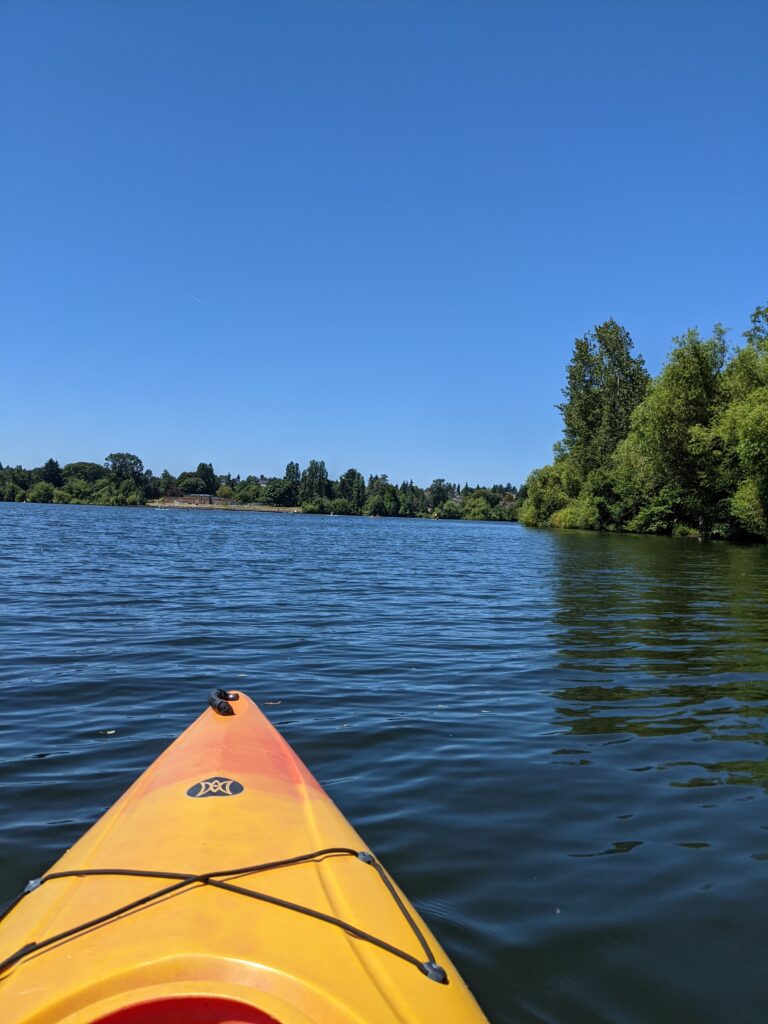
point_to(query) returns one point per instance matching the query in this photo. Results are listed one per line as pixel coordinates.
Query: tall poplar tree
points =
(314, 481)
(604, 384)
(292, 481)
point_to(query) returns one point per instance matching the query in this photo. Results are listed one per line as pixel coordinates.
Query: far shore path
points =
(216, 507)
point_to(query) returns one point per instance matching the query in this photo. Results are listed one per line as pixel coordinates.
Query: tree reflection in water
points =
(681, 629)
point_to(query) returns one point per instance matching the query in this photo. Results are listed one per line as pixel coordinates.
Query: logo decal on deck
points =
(216, 786)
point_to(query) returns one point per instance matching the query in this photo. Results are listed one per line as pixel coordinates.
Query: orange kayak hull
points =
(228, 793)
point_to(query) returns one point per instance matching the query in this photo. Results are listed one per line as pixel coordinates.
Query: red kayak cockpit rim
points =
(188, 1010)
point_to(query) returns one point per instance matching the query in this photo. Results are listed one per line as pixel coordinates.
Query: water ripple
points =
(556, 741)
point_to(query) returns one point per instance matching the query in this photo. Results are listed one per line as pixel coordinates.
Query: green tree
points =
(205, 473)
(51, 473)
(374, 505)
(750, 509)
(411, 499)
(679, 464)
(604, 383)
(292, 480)
(41, 492)
(249, 491)
(10, 491)
(280, 492)
(192, 484)
(314, 481)
(477, 506)
(438, 492)
(742, 429)
(89, 471)
(168, 484)
(757, 334)
(388, 501)
(747, 370)
(80, 491)
(317, 507)
(451, 510)
(340, 507)
(581, 410)
(507, 509)
(546, 492)
(124, 466)
(351, 487)
(391, 501)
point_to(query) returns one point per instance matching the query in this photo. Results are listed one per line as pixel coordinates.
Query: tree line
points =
(683, 453)
(122, 480)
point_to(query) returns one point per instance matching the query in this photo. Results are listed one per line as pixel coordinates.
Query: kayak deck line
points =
(429, 968)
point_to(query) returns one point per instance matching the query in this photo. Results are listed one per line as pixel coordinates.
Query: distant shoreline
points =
(207, 506)
(123, 480)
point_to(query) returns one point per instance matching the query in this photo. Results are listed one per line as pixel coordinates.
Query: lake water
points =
(555, 741)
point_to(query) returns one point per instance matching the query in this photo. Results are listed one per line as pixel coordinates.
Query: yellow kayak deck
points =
(323, 936)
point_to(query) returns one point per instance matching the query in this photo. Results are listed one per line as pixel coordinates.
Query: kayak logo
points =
(216, 786)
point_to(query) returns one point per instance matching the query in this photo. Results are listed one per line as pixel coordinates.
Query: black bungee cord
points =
(222, 880)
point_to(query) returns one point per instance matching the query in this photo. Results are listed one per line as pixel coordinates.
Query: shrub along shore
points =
(123, 480)
(685, 453)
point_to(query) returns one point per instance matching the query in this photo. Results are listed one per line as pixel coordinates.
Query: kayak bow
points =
(224, 887)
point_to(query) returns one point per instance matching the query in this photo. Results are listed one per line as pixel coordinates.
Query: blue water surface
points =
(555, 741)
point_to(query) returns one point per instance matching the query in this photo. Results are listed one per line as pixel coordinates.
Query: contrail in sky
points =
(193, 297)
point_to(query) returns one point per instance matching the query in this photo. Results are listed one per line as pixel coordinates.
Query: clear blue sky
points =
(245, 232)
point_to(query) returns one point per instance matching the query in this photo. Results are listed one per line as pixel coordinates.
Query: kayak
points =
(224, 887)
